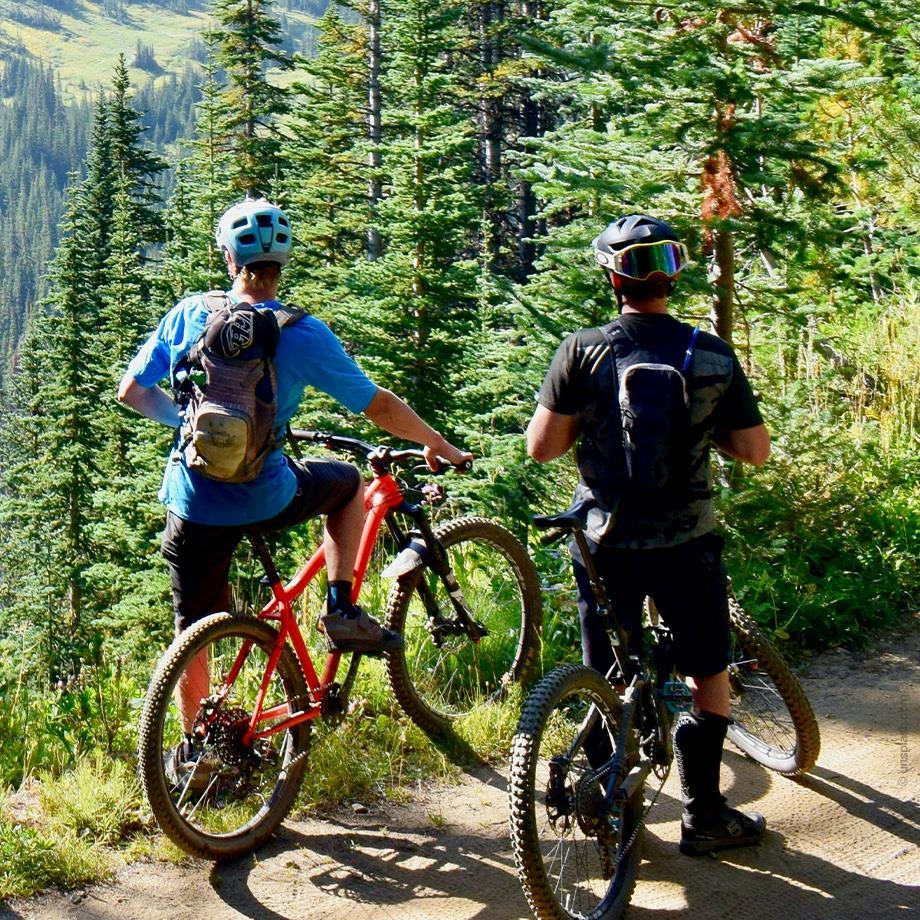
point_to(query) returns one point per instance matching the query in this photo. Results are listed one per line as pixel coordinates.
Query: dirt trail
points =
(842, 843)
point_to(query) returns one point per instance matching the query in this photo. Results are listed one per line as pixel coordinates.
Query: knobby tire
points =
(753, 736)
(422, 689)
(206, 633)
(527, 800)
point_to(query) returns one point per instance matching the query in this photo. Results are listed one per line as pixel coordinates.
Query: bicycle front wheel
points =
(576, 857)
(441, 673)
(221, 798)
(774, 723)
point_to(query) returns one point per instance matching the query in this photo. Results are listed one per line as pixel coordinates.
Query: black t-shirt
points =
(581, 381)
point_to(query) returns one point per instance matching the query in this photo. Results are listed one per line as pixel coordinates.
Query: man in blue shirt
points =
(206, 519)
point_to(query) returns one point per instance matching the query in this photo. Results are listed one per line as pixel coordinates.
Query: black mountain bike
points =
(585, 750)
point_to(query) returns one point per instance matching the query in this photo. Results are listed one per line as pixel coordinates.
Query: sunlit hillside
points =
(82, 39)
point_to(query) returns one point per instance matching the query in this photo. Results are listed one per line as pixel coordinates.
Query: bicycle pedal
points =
(677, 696)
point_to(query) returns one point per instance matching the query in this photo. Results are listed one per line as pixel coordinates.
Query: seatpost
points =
(272, 576)
(597, 586)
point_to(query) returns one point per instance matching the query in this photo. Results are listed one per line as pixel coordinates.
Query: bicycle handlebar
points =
(375, 454)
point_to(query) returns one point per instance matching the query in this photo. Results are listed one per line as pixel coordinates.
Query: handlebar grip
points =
(445, 465)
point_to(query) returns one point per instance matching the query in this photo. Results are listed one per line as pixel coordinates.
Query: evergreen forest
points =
(445, 167)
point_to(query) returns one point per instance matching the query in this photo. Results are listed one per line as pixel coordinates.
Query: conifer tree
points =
(250, 38)
(415, 305)
(203, 190)
(78, 338)
(327, 186)
(699, 114)
(137, 168)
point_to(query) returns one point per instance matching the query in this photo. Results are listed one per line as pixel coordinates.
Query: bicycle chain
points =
(639, 824)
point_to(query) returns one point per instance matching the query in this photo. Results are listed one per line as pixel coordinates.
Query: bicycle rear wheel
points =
(575, 858)
(774, 723)
(229, 797)
(441, 673)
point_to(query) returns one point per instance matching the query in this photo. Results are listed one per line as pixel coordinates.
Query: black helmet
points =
(647, 258)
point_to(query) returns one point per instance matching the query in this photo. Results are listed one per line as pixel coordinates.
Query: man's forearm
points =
(390, 413)
(151, 402)
(750, 445)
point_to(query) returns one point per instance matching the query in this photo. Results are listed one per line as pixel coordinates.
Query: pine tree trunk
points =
(418, 187)
(526, 200)
(491, 127)
(723, 277)
(74, 591)
(374, 190)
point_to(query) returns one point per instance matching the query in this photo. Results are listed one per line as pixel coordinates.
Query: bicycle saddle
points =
(573, 518)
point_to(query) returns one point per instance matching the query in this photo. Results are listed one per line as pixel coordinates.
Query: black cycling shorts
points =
(689, 586)
(199, 555)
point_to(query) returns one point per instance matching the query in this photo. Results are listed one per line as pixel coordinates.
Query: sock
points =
(338, 598)
(698, 742)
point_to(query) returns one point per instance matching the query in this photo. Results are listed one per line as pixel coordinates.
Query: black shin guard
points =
(698, 744)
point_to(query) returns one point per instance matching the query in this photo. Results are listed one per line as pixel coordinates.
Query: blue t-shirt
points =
(309, 354)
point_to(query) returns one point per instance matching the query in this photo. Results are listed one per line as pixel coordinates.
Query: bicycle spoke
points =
(216, 785)
(444, 672)
(760, 711)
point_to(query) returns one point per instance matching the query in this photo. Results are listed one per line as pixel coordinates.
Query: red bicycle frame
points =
(381, 496)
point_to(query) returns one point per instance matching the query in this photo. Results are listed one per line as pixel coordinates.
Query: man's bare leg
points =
(194, 685)
(349, 628)
(343, 537)
(711, 694)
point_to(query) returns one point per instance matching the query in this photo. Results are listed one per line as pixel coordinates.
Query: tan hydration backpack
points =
(227, 390)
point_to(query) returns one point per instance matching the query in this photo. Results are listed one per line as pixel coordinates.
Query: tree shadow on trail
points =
(379, 874)
(769, 882)
(895, 816)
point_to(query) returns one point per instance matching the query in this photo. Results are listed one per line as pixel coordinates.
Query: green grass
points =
(100, 799)
(84, 820)
(373, 751)
(35, 857)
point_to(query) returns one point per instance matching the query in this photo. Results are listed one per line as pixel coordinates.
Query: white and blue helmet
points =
(255, 230)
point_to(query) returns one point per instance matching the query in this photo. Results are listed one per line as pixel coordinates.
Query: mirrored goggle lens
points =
(645, 259)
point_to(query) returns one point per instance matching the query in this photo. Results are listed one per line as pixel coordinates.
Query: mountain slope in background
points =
(57, 52)
(82, 39)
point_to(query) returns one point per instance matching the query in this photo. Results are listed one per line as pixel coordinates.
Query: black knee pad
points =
(698, 741)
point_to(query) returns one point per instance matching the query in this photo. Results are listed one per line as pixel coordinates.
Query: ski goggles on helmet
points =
(642, 260)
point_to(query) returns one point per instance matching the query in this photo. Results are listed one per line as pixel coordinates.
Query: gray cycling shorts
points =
(199, 555)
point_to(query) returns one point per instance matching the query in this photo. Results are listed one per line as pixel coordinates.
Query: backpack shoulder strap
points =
(289, 315)
(691, 347)
(216, 300)
(613, 332)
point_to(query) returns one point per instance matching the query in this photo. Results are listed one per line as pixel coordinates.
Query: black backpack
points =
(653, 400)
(227, 389)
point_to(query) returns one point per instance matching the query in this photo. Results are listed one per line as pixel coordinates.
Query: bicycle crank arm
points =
(633, 782)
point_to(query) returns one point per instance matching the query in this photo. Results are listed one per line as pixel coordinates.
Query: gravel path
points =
(842, 843)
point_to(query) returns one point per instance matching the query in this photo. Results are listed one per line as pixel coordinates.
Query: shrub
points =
(31, 859)
(100, 799)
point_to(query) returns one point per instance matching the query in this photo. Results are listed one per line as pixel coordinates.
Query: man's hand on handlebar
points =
(390, 413)
(442, 449)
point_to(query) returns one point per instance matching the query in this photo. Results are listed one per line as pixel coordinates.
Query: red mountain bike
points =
(466, 599)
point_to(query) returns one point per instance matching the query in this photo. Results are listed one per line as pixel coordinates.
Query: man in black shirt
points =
(657, 540)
